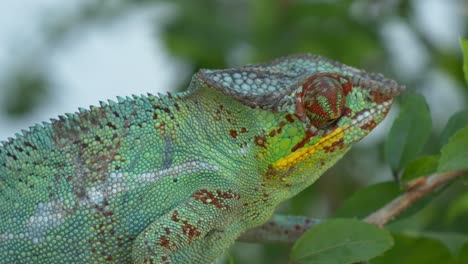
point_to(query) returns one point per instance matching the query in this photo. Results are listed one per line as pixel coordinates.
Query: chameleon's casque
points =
(178, 178)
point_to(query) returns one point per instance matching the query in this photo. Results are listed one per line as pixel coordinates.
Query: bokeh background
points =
(56, 56)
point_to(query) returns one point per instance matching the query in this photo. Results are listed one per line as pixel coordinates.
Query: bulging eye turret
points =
(323, 98)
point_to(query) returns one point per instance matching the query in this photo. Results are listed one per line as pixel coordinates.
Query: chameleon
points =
(178, 178)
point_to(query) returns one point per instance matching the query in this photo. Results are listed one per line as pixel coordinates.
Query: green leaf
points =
(464, 47)
(363, 202)
(422, 166)
(341, 241)
(410, 249)
(409, 132)
(458, 208)
(463, 256)
(454, 155)
(455, 123)
(453, 241)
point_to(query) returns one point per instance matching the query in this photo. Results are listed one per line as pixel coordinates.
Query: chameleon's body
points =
(178, 178)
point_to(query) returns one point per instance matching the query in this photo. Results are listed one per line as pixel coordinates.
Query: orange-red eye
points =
(323, 98)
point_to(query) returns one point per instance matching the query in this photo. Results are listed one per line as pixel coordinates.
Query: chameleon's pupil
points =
(323, 99)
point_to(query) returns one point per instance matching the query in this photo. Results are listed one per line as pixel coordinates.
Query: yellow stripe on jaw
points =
(303, 153)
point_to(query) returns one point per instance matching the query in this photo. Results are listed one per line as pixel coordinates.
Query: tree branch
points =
(417, 190)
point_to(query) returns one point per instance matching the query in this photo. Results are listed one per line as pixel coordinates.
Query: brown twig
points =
(416, 191)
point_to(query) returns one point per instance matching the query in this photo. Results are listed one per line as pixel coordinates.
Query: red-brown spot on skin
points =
(272, 133)
(204, 196)
(347, 87)
(300, 110)
(168, 230)
(289, 118)
(175, 216)
(308, 135)
(218, 199)
(107, 214)
(369, 125)
(378, 97)
(260, 141)
(233, 133)
(282, 124)
(337, 144)
(191, 231)
(243, 130)
(347, 111)
(270, 175)
(164, 242)
(297, 227)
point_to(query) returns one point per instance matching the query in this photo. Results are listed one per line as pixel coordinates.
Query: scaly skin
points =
(178, 178)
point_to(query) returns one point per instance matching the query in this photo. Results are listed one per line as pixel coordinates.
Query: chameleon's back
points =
(56, 185)
(27, 166)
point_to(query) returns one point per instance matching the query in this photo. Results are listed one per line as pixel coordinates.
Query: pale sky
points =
(120, 58)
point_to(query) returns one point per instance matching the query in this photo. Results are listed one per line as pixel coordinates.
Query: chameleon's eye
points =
(324, 97)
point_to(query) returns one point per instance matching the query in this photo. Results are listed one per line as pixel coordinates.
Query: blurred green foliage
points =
(27, 88)
(405, 140)
(224, 33)
(361, 242)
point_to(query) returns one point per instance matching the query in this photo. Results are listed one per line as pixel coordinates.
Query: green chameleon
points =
(178, 178)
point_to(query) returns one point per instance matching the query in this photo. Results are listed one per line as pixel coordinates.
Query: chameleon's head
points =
(316, 110)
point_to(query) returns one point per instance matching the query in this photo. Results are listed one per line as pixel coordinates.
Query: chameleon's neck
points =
(241, 139)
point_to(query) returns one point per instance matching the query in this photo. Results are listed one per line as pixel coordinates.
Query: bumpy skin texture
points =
(177, 178)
